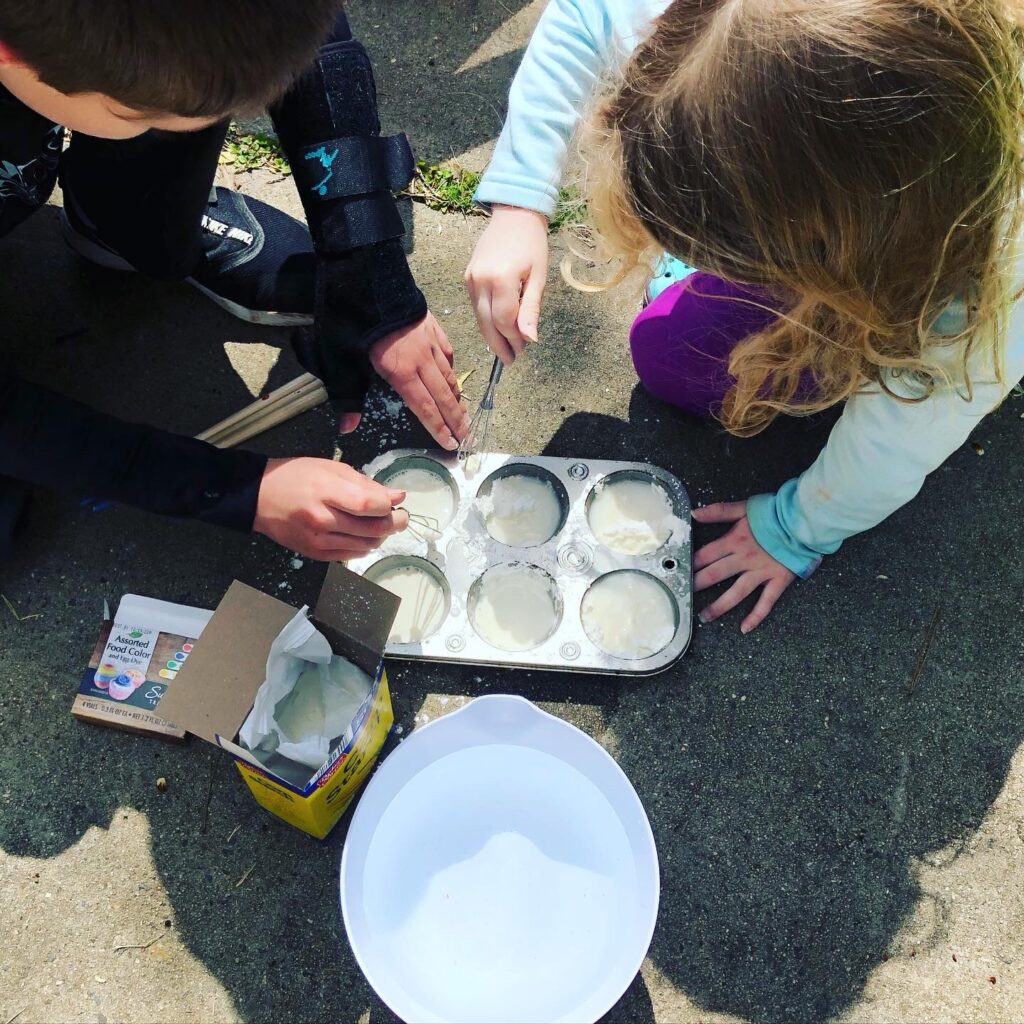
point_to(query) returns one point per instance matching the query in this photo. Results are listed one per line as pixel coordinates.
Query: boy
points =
(147, 87)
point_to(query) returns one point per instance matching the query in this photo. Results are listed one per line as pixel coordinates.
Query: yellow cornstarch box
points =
(215, 689)
(317, 807)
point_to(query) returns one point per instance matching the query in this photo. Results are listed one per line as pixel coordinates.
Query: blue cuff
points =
(766, 514)
(491, 191)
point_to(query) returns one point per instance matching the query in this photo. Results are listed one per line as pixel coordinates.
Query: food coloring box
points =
(137, 658)
(214, 691)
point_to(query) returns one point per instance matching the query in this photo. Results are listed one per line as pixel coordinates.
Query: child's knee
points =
(670, 345)
(651, 337)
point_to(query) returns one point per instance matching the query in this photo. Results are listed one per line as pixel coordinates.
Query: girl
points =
(845, 173)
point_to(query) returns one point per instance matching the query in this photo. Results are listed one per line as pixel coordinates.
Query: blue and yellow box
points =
(214, 691)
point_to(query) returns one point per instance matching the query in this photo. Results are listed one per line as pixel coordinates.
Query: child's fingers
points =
(505, 314)
(721, 512)
(444, 344)
(533, 298)
(366, 526)
(348, 423)
(340, 546)
(323, 549)
(773, 590)
(731, 565)
(448, 372)
(445, 399)
(495, 341)
(741, 589)
(419, 399)
(713, 552)
(360, 497)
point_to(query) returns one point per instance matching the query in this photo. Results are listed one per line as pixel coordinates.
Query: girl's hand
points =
(417, 362)
(506, 278)
(326, 510)
(738, 554)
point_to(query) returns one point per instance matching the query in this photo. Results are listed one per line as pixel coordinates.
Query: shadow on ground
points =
(792, 777)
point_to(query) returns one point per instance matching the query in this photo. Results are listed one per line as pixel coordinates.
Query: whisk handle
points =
(492, 384)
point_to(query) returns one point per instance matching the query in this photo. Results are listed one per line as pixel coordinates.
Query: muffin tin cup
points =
(573, 558)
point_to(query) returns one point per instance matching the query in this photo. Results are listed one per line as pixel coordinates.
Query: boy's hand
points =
(737, 553)
(326, 510)
(506, 278)
(417, 362)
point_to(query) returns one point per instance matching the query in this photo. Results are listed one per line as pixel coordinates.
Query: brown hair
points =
(192, 58)
(861, 158)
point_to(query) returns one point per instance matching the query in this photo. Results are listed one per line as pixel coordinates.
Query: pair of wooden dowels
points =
(287, 402)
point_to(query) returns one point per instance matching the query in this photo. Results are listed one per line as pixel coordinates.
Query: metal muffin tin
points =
(574, 559)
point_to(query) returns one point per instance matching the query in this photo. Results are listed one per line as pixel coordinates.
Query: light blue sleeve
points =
(574, 45)
(877, 458)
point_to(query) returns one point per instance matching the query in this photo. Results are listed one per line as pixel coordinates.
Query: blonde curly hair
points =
(859, 158)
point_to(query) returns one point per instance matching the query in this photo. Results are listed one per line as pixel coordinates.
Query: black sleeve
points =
(53, 441)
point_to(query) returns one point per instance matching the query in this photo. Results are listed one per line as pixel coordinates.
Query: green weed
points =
(250, 151)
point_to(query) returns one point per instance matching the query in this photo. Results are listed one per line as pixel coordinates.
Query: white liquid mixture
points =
(520, 894)
(632, 516)
(427, 495)
(423, 602)
(515, 607)
(521, 511)
(629, 615)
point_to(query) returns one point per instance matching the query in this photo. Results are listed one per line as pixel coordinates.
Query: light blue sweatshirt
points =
(881, 449)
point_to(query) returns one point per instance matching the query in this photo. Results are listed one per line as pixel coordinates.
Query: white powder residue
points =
(521, 510)
(381, 405)
(634, 517)
(405, 543)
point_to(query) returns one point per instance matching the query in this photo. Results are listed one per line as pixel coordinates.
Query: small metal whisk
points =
(424, 528)
(480, 428)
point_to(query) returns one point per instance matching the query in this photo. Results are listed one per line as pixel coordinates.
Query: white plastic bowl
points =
(500, 867)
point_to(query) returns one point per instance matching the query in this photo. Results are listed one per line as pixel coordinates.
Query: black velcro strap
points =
(355, 166)
(364, 220)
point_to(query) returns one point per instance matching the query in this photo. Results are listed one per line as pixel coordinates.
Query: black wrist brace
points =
(346, 174)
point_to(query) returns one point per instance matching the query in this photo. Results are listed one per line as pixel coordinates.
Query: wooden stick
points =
(245, 876)
(259, 408)
(141, 945)
(281, 413)
(266, 411)
(922, 655)
(275, 396)
(254, 407)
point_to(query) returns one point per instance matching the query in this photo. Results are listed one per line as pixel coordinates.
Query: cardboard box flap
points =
(356, 616)
(216, 687)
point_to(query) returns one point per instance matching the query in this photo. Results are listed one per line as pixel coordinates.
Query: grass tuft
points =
(251, 151)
